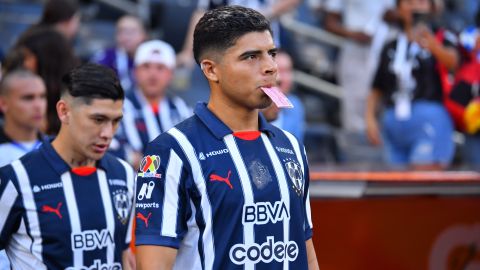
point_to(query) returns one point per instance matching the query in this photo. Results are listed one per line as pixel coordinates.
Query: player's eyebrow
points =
(251, 52)
(257, 52)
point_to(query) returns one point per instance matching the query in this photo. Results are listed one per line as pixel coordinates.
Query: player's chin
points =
(264, 102)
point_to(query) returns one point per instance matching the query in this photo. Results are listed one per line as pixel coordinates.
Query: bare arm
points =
(373, 131)
(128, 260)
(155, 257)
(447, 56)
(311, 256)
(333, 23)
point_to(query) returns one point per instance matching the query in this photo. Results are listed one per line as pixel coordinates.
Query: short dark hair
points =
(20, 73)
(91, 81)
(220, 28)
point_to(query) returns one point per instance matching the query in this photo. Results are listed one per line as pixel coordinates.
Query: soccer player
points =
(67, 205)
(224, 189)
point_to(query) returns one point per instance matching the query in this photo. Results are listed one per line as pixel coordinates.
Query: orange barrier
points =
(398, 232)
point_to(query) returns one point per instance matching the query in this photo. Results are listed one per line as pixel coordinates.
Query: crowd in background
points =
(408, 73)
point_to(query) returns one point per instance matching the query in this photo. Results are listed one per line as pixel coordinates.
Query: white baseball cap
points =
(155, 51)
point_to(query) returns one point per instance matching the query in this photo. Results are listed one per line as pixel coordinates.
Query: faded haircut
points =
(92, 81)
(220, 28)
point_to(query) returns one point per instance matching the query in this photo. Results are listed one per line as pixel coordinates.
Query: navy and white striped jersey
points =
(225, 200)
(53, 217)
(141, 124)
(12, 150)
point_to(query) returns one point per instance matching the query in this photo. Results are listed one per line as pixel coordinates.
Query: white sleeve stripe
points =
(7, 200)
(309, 211)
(29, 203)
(109, 214)
(130, 186)
(248, 228)
(170, 202)
(73, 215)
(284, 187)
(205, 205)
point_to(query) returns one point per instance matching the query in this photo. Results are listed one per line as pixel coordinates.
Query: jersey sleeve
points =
(10, 208)
(306, 199)
(161, 203)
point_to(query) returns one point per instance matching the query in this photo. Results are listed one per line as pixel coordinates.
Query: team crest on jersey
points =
(260, 174)
(149, 166)
(122, 205)
(295, 173)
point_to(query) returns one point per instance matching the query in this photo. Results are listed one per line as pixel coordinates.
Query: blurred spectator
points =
(361, 23)
(148, 109)
(23, 102)
(293, 119)
(271, 9)
(45, 52)
(465, 95)
(63, 16)
(129, 34)
(416, 127)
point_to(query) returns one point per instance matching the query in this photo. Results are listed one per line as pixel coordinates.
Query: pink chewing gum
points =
(277, 97)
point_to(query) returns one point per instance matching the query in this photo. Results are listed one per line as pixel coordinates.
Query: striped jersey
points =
(12, 150)
(53, 217)
(141, 123)
(225, 200)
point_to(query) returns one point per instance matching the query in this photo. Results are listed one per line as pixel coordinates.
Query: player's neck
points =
(63, 147)
(20, 133)
(235, 117)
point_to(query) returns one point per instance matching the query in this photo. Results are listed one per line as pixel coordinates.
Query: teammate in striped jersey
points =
(225, 189)
(67, 205)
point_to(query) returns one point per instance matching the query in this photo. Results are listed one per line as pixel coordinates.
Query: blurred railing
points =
(302, 78)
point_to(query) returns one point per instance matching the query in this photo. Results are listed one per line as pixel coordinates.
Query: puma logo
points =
(49, 209)
(145, 219)
(214, 177)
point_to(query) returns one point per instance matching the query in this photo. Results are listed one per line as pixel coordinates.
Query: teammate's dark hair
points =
(56, 11)
(54, 57)
(220, 28)
(90, 81)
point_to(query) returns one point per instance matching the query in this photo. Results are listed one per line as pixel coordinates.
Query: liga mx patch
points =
(149, 166)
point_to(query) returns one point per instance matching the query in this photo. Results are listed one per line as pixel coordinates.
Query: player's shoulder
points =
(112, 162)
(282, 137)
(30, 162)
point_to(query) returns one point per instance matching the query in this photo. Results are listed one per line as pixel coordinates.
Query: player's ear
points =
(210, 70)
(63, 111)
